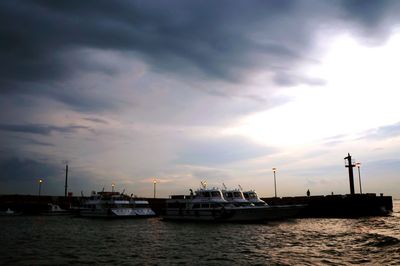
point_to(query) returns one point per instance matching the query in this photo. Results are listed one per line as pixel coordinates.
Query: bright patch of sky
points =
(361, 92)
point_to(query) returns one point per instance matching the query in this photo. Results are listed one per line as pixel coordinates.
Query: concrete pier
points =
(339, 206)
(330, 206)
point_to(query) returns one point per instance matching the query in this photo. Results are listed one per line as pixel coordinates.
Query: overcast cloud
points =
(129, 90)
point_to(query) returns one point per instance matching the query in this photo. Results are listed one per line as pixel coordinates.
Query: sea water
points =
(46, 240)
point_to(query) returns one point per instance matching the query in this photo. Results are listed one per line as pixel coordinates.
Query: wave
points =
(377, 240)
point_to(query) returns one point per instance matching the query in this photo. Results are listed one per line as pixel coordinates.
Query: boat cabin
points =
(253, 198)
(236, 198)
(202, 199)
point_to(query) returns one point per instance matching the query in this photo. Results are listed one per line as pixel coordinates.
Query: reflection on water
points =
(67, 240)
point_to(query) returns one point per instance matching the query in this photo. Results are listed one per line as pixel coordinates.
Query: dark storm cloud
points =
(218, 39)
(25, 170)
(40, 129)
(367, 12)
(371, 20)
(31, 141)
(20, 175)
(205, 36)
(83, 101)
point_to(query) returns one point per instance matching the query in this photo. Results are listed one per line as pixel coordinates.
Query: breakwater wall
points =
(335, 206)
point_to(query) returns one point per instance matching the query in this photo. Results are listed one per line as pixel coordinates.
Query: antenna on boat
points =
(240, 187)
(123, 191)
(223, 184)
(102, 190)
(203, 184)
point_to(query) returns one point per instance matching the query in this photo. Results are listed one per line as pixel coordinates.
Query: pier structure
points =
(329, 206)
(349, 164)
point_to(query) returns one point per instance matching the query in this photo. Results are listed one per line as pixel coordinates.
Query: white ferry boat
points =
(252, 197)
(114, 204)
(210, 205)
(236, 197)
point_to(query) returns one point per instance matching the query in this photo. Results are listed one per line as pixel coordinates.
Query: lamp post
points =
(274, 170)
(154, 186)
(40, 186)
(359, 176)
(112, 187)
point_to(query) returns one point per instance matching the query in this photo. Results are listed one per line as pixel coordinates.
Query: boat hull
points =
(239, 214)
(117, 212)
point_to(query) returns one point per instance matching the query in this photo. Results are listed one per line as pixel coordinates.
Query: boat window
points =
(206, 194)
(246, 195)
(205, 205)
(229, 194)
(215, 194)
(237, 194)
(196, 205)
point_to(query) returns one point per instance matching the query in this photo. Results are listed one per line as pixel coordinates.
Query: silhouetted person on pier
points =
(308, 192)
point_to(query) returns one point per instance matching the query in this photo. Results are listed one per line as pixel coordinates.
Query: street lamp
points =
(274, 170)
(154, 186)
(112, 187)
(40, 186)
(359, 176)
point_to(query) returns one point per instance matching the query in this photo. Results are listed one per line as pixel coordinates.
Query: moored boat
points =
(114, 205)
(252, 197)
(9, 212)
(211, 205)
(236, 197)
(55, 210)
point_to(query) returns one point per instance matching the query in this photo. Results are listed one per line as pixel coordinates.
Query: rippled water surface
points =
(67, 240)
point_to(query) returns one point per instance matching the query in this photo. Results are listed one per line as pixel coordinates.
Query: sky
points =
(126, 92)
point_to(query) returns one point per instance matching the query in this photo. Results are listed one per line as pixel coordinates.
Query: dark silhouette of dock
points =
(330, 206)
(339, 206)
(335, 206)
